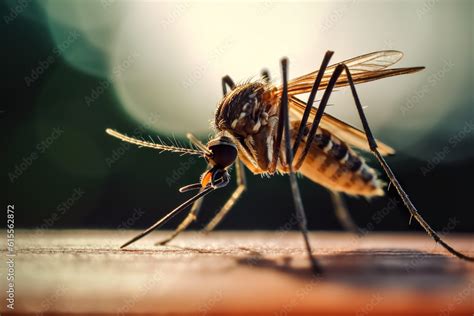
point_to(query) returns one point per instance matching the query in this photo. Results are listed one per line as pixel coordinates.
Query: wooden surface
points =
(83, 271)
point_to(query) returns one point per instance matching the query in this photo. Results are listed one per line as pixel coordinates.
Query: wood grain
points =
(83, 271)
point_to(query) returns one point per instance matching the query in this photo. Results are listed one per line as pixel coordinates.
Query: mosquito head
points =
(224, 152)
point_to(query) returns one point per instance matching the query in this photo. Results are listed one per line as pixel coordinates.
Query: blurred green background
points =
(70, 69)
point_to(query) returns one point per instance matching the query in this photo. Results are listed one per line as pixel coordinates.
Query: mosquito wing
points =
(345, 132)
(364, 68)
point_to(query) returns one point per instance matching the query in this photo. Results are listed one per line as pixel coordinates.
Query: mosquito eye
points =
(224, 151)
(223, 155)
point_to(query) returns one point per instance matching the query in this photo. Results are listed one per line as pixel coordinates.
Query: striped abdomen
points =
(334, 165)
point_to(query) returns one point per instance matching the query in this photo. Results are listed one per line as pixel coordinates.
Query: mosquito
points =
(269, 130)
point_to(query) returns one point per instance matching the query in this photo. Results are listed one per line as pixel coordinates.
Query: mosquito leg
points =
(403, 195)
(241, 186)
(311, 98)
(227, 81)
(319, 114)
(373, 147)
(342, 213)
(300, 213)
(338, 203)
(191, 217)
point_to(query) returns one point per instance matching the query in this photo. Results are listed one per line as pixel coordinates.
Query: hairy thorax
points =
(250, 114)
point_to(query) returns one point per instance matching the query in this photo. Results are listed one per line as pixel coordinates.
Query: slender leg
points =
(373, 147)
(311, 98)
(319, 114)
(300, 214)
(241, 186)
(406, 200)
(193, 213)
(227, 81)
(342, 212)
(339, 205)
